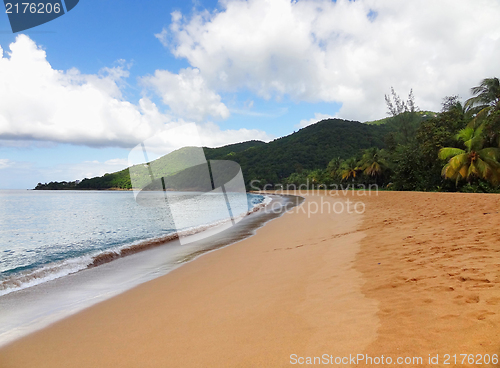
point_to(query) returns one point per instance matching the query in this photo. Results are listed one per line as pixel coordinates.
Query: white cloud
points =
(187, 94)
(117, 162)
(39, 103)
(317, 117)
(273, 114)
(163, 35)
(183, 134)
(5, 163)
(86, 169)
(12, 143)
(350, 52)
(212, 136)
(189, 134)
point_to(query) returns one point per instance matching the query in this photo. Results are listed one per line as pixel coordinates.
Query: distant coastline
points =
(85, 189)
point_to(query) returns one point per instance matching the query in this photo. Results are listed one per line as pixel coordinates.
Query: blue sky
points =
(77, 93)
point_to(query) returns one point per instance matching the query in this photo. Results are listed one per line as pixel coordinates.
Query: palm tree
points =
(485, 105)
(372, 162)
(349, 169)
(316, 176)
(486, 95)
(474, 161)
(333, 168)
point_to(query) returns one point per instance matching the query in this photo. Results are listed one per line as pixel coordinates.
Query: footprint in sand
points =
(493, 301)
(471, 299)
(441, 288)
(481, 315)
(450, 316)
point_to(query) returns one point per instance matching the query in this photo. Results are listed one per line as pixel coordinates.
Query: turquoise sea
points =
(62, 251)
(49, 234)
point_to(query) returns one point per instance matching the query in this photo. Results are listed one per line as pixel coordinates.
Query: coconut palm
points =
(473, 162)
(486, 95)
(372, 162)
(333, 168)
(485, 105)
(316, 176)
(349, 169)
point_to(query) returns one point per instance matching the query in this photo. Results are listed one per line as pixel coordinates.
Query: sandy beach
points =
(414, 275)
(432, 260)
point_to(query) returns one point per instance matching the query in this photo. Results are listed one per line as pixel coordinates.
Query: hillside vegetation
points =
(456, 149)
(309, 148)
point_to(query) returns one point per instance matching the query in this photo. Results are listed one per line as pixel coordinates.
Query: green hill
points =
(309, 148)
(167, 165)
(230, 150)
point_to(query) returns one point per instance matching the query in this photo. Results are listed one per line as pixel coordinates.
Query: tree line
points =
(455, 150)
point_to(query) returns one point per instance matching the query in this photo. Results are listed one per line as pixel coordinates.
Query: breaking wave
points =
(55, 270)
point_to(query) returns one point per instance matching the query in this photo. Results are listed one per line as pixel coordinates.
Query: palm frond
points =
(449, 172)
(473, 138)
(472, 171)
(486, 94)
(465, 135)
(447, 152)
(373, 170)
(457, 167)
(492, 153)
(483, 170)
(481, 115)
(464, 171)
(458, 161)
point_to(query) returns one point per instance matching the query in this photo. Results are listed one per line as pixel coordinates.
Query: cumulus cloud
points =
(350, 52)
(317, 117)
(39, 103)
(187, 94)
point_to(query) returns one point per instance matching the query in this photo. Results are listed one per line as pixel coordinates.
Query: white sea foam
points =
(46, 273)
(55, 270)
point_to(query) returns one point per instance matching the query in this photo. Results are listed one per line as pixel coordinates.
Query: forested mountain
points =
(309, 148)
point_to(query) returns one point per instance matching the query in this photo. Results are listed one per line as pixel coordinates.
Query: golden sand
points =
(432, 260)
(416, 274)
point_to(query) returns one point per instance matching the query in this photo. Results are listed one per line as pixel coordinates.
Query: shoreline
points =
(38, 310)
(107, 255)
(375, 284)
(225, 308)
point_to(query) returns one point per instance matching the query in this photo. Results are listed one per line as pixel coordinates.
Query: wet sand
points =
(416, 274)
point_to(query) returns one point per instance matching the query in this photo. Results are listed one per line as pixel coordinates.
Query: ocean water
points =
(63, 251)
(46, 235)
